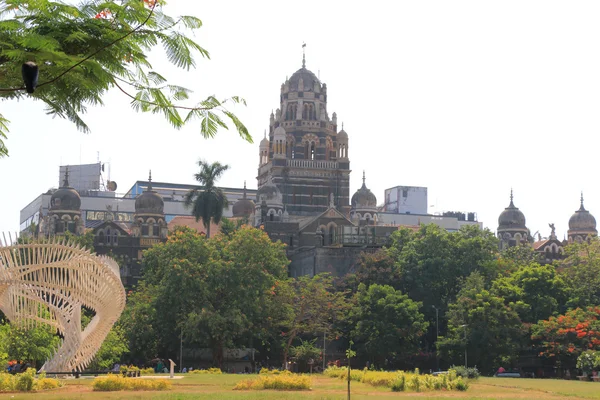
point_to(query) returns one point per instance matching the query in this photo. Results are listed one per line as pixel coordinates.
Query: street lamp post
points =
(465, 326)
(437, 335)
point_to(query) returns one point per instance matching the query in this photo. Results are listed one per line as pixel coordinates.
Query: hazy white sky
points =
(468, 98)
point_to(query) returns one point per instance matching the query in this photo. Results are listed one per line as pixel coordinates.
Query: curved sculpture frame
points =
(47, 282)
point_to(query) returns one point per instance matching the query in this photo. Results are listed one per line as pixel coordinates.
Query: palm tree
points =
(208, 201)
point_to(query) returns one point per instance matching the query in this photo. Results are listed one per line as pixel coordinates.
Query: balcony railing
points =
(314, 164)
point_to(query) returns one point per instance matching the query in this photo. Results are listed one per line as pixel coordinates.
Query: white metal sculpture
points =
(48, 281)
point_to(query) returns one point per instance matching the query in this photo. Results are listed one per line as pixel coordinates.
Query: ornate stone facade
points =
(305, 156)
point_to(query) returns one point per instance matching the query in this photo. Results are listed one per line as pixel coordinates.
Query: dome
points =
(364, 198)
(342, 134)
(264, 142)
(244, 206)
(582, 220)
(511, 217)
(149, 202)
(279, 133)
(65, 198)
(308, 78)
(270, 193)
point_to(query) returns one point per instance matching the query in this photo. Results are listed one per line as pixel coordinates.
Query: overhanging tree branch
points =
(89, 56)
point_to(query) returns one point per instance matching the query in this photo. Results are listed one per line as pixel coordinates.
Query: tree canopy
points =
(82, 51)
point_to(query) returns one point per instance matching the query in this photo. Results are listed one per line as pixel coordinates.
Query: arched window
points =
(115, 238)
(312, 151)
(145, 230)
(331, 235)
(101, 237)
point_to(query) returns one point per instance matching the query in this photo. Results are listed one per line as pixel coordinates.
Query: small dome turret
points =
(511, 217)
(244, 207)
(364, 198)
(149, 202)
(582, 224)
(65, 198)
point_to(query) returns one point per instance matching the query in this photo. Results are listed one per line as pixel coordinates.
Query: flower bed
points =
(112, 383)
(27, 381)
(277, 382)
(401, 381)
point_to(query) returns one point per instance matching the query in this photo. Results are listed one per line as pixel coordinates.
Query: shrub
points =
(399, 385)
(147, 371)
(415, 383)
(266, 371)
(113, 383)
(378, 378)
(587, 361)
(212, 371)
(335, 372)
(466, 373)
(277, 382)
(461, 385)
(403, 381)
(25, 380)
(7, 382)
(47, 383)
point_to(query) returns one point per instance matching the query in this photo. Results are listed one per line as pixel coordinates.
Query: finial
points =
(150, 180)
(342, 125)
(303, 55)
(511, 198)
(265, 134)
(244, 189)
(581, 207)
(66, 181)
(363, 177)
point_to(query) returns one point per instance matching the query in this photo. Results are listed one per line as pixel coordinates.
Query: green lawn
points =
(220, 387)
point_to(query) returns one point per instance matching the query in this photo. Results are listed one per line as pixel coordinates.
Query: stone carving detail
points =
(48, 283)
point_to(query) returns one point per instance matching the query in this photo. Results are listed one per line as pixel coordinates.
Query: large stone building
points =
(303, 196)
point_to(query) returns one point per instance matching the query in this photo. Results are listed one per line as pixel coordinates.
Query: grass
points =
(220, 387)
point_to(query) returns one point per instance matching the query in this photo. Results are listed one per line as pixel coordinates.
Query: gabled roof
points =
(124, 228)
(330, 213)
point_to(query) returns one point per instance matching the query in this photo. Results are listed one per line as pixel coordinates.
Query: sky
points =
(467, 98)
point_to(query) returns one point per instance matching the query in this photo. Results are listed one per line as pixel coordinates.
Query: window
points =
(100, 237)
(144, 230)
(115, 238)
(155, 230)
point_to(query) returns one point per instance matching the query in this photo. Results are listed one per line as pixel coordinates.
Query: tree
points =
(433, 263)
(86, 240)
(489, 330)
(312, 307)
(563, 338)
(386, 322)
(373, 268)
(80, 52)
(34, 345)
(112, 350)
(580, 271)
(538, 287)
(208, 201)
(216, 292)
(140, 323)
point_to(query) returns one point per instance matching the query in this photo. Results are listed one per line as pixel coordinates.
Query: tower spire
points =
(150, 180)
(303, 55)
(581, 208)
(66, 181)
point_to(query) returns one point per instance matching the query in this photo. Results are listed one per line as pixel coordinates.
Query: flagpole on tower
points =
(303, 55)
